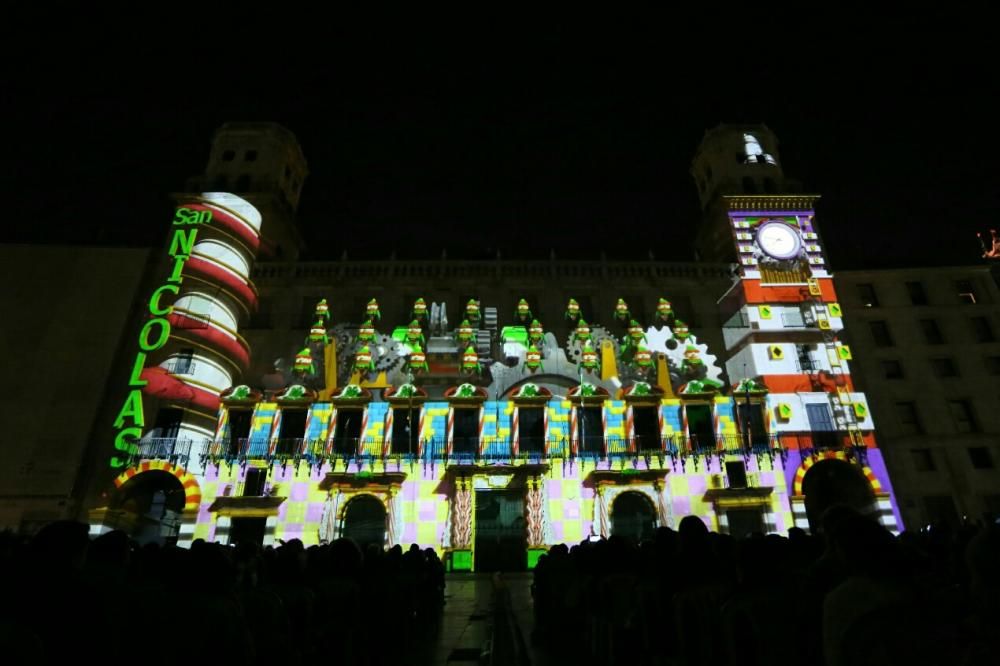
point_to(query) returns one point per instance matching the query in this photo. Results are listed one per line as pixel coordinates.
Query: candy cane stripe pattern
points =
(420, 434)
(387, 434)
(545, 429)
(275, 429)
(574, 434)
(515, 438)
(451, 430)
(333, 431)
(663, 426)
(604, 429)
(630, 429)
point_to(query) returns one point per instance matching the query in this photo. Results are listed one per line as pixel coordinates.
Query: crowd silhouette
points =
(67, 596)
(854, 594)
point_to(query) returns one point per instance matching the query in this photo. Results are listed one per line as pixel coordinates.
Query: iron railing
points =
(176, 450)
(487, 449)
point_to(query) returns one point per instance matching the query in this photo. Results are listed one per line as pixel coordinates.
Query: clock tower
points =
(783, 328)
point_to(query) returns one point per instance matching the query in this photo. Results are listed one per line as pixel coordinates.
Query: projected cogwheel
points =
(598, 334)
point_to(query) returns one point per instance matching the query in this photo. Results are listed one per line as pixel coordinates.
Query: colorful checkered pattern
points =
(421, 506)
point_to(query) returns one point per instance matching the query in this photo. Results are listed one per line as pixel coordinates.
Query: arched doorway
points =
(364, 521)
(152, 502)
(831, 482)
(633, 516)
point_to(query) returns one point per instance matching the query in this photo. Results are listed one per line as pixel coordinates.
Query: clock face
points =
(779, 240)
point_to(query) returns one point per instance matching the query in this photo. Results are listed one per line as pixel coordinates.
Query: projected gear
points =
(598, 334)
(662, 340)
(387, 354)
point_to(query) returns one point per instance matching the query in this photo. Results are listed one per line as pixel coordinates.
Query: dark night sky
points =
(520, 145)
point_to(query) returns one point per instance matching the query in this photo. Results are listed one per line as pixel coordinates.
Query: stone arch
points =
(608, 493)
(800, 474)
(833, 480)
(192, 492)
(633, 515)
(371, 514)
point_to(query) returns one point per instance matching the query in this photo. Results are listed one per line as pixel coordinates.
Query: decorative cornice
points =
(771, 202)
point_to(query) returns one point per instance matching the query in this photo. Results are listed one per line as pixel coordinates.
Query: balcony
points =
(488, 450)
(176, 451)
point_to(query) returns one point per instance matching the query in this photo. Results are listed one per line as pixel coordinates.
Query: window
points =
(892, 369)
(700, 426)
(250, 156)
(866, 292)
(405, 421)
(240, 421)
(167, 424)
(980, 457)
(347, 433)
(982, 330)
(228, 155)
(590, 430)
(961, 413)
(923, 460)
(917, 294)
(736, 474)
(254, 484)
(944, 367)
(966, 293)
(880, 333)
(744, 523)
(647, 428)
(908, 421)
(824, 434)
(993, 365)
(182, 364)
(531, 430)
(465, 437)
(751, 421)
(291, 431)
(932, 333)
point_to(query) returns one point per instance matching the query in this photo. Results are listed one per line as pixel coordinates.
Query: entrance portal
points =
(831, 482)
(364, 521)
(633, 516)
(501, 531)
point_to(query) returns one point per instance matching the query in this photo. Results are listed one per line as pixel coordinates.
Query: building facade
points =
(930, 364)
(488, 409)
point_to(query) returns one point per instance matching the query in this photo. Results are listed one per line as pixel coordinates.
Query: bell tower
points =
(263, 164)
(733, 160)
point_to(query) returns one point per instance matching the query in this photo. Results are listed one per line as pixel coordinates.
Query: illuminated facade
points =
(491, 409)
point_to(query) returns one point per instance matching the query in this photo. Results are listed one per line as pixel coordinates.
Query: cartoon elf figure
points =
(533, 359)
(304, 363)
(465, 333)
(588, 358)
(523, 310)
(681, 331)
(472, 310)
(322, 311)
(470, 361)
(418, 360)
(367, 333)
(415, 334)
(419, 310)
(363, 362)
(621, 311)
(692, 363)
(372, 311)
(636, 334)
(317, 334)
(582, 332)
(643, 360)
(572, 310)
(664, 311)
(536, 333)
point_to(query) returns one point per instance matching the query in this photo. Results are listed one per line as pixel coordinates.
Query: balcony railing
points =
(173, 449)
(489, 450)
